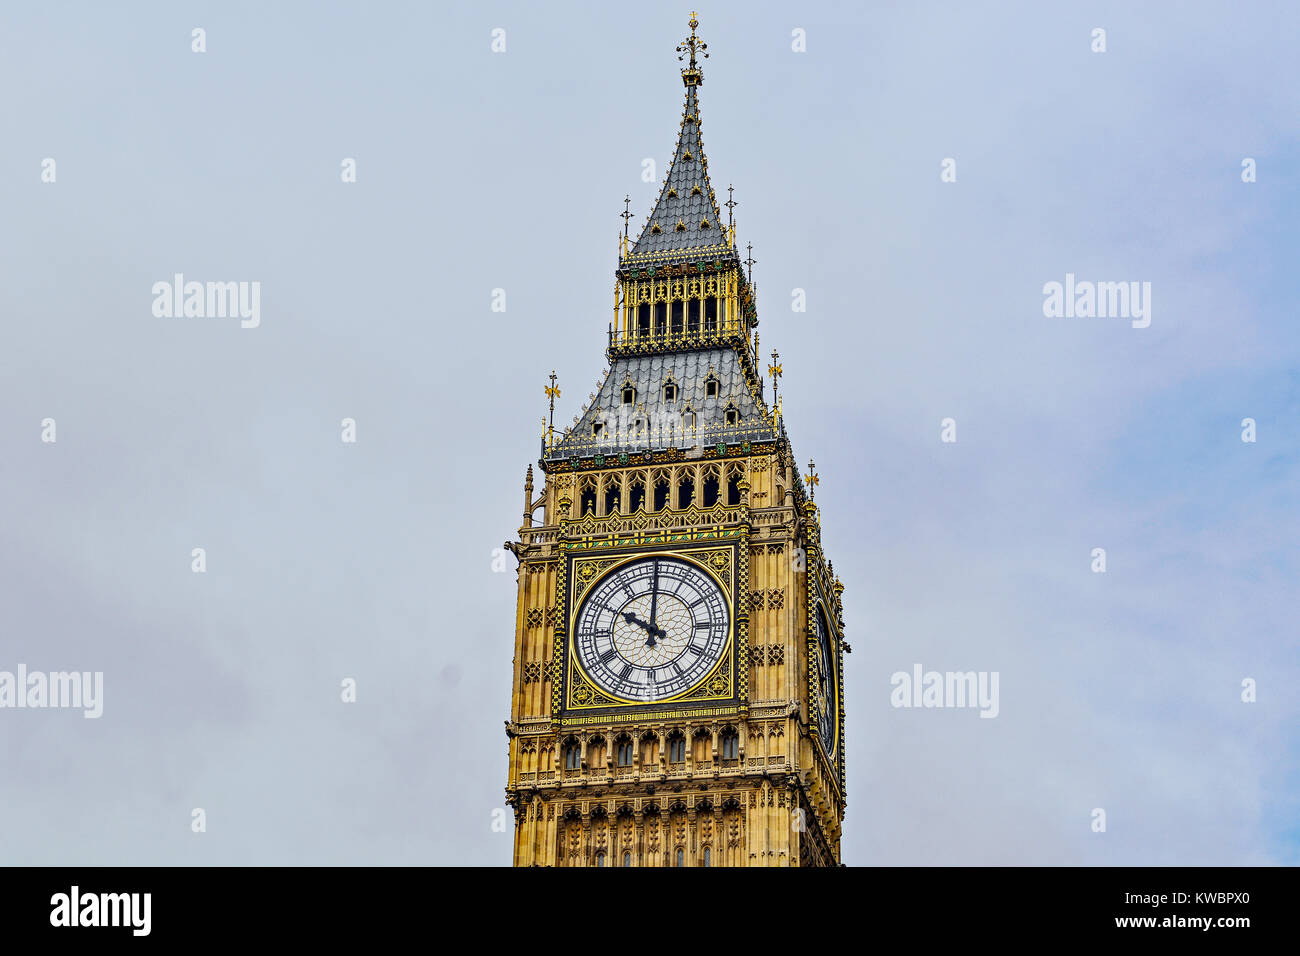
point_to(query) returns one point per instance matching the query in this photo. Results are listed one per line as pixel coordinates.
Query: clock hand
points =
(654, 595)
(650, 629)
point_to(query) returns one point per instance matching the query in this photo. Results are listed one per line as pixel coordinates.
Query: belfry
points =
(677, 695)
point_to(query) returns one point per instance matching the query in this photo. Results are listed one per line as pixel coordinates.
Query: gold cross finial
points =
(692, 45)
(775, 371)
(553, 393)
(813, 480)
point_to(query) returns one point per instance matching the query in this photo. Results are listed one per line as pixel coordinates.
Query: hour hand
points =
(650, 630)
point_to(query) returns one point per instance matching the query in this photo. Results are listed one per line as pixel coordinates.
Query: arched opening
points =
(572, 755)
(649, 752)
(627, 858)
(587, 502)
(693, 316)
(661, 494)
(643, 319)
(729, 745)
(676, 748)
(686, 491)
(711, 314)
(636, 496)
(733, 488)
(623, 751)
(596, 752)
(706, 858)
(661, 318)
(709, 493)
(600, 857)
(677, 318)
(702, 747)
(611, 498)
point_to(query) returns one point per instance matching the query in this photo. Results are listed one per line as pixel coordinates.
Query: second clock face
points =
(651, 629)
(827, 687)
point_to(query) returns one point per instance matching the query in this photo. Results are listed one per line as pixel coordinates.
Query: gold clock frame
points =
(720, 690)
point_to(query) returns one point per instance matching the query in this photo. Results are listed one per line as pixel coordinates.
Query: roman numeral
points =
(608, 656)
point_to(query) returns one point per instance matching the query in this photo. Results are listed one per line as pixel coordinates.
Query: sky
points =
(479, 171)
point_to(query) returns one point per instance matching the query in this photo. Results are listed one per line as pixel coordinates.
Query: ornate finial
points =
(626, 213)
(553, 393)
(775, 371)
(692, 76)
(749, 251)
(731, 208)
(813, 480)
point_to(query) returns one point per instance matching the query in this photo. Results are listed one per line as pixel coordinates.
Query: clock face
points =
(651, 629)
(826, 686)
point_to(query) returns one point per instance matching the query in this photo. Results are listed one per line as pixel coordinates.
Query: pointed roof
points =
(686, 215)
(686, 222)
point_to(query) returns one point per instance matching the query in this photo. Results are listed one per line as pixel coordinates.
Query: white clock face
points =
(651, 629)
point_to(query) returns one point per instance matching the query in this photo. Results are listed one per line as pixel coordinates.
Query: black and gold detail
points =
(679, 633)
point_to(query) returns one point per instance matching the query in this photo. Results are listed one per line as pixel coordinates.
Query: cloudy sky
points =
(479, 171)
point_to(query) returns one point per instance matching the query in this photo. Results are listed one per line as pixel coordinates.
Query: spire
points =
(686, 222)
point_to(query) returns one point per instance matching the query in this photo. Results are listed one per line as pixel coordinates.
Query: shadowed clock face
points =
(651, 629)
(827, 706)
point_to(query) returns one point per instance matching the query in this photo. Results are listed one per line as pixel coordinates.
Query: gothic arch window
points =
(709, 491)
(661, 318)
(670, 390)
(661, 493)
(706, 857)
(729, 744)
(623, 751)
(612, 495)
(677, 317)
(681, 857)
(733, 486)
(596, 752)
(627, 858)
(643, 319)
(702, 746)
(600, 857)
(636, 495)
(649, 750)
(629, 393)
(587, 499)
(732, 414)
(711, 386)
(711, 314)
(686, 490)
(572, 754)
(676, 748)
(693, 316)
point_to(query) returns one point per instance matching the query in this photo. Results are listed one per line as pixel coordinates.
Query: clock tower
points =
(677, 697)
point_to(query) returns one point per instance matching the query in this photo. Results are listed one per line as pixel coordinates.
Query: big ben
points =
(678, 665)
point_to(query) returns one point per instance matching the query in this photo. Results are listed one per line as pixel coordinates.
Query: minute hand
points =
(654, 595)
